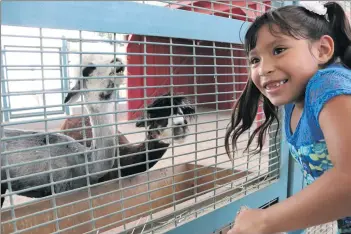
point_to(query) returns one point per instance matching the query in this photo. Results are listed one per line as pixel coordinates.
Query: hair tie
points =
(315, 7)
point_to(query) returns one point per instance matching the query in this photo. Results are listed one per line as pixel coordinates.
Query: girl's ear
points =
(326, 49)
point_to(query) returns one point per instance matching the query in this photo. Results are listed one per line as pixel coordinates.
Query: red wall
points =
(207, 91)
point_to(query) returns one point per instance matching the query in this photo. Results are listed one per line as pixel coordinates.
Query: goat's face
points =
(100, 77)
(163, 124)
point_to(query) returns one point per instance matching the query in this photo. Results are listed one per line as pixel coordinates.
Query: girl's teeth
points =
(275, 84)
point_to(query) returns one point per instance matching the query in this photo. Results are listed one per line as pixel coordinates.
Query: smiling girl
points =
(300, 58)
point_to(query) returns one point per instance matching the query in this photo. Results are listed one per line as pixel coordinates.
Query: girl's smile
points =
(273, 87)
(300, 59)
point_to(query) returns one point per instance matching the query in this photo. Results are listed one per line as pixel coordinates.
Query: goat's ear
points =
(73, 95)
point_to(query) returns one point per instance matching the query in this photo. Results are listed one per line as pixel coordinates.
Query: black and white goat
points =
(171, 114)
(160, 123)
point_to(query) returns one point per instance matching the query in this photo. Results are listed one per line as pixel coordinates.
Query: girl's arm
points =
(329, 197)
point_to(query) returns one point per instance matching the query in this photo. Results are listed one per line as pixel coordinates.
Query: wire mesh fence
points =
(107, 130)
(58, 160)
(124, 133)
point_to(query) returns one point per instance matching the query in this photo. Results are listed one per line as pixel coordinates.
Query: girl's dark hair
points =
(300, 23)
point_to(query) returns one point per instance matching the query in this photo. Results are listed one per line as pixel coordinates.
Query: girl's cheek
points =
(256, 81)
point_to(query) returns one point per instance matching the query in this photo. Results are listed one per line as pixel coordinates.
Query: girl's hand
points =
(249, 221)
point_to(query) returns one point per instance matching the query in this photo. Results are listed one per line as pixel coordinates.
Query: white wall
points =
(23, 58)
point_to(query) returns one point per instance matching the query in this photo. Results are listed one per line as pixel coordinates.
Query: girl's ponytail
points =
(341, 31)
(243, 116)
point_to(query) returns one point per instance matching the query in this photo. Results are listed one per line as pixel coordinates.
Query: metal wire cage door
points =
(113, 117)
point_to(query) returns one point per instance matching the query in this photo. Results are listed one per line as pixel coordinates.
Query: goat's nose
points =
(178, 120)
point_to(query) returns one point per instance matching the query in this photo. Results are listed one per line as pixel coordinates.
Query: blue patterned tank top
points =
(307, 144)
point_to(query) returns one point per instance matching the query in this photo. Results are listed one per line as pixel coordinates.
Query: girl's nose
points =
(266, 67)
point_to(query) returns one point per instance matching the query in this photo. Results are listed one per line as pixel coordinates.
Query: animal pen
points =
(113, 116)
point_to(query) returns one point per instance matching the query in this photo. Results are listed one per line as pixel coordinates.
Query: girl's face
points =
(281, 66)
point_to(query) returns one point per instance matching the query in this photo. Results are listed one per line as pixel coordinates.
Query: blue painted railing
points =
(122, 17)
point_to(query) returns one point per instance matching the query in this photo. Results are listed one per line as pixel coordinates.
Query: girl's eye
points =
(278, 51)
(254, 60)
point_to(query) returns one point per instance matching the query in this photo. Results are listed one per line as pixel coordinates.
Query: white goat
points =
(29, 172)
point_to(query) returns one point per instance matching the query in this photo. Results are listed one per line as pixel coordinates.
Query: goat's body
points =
(76, 122)
(49, 145)
(73, 122)
(67, 145)
(135, 159)
(43, 153)
(137, 152)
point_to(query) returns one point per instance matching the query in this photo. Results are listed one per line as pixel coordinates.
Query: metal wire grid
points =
(47, 130)
(226, 228)
(204, 200)
(329, 228)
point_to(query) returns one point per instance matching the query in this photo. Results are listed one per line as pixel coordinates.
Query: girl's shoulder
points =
(330, 74)
(327, 83)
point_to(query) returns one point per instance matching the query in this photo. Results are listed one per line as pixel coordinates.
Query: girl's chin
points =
(278, 101)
